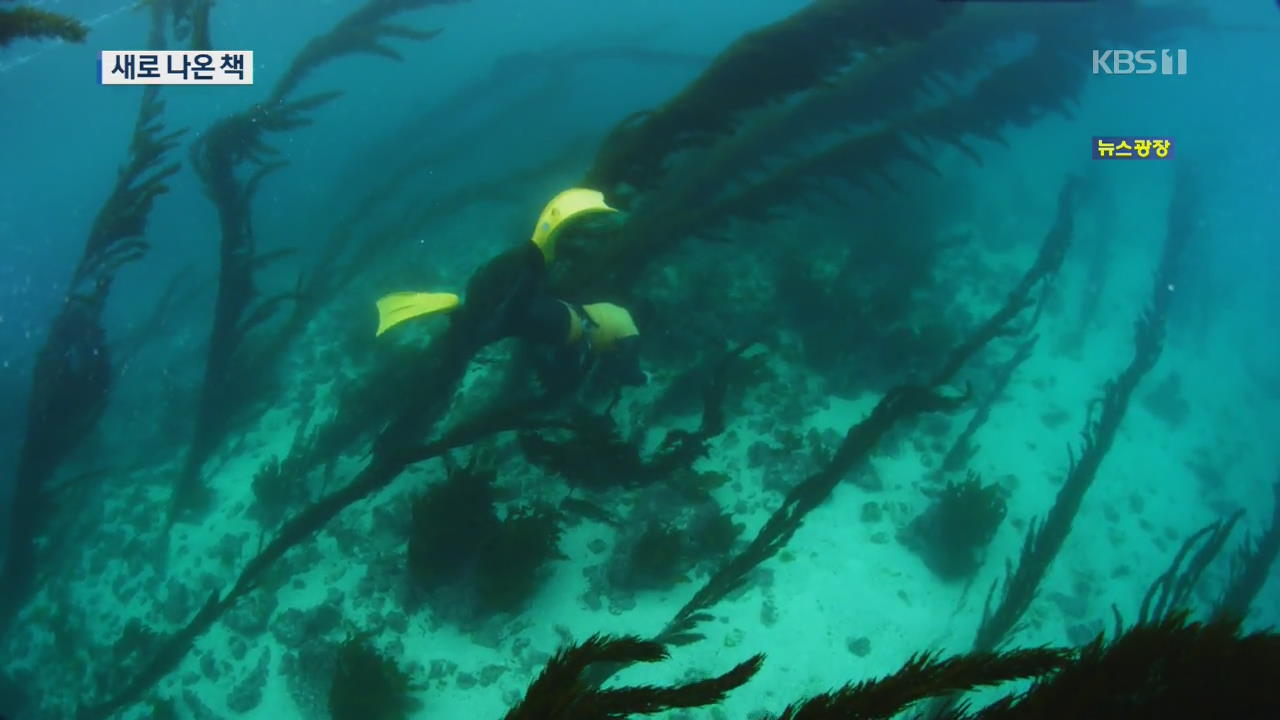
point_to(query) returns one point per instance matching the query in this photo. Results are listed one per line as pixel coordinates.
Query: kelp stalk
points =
(1253, 565)
(1017, 93)
(898, 405)
(962, 448)
(73, 373)
(1045, 539)
(395, 451)
(1171, 592)
(234, 376)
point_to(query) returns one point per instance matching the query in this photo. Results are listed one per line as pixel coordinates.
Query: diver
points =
(509, 296)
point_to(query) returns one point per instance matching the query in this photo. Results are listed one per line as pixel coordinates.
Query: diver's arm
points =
(626, 362)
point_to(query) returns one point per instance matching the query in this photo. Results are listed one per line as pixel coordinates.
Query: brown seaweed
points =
(236, 377)
(1163, 669)
(30, 22)
(1252, 565)
(1168, 668)
(898, 405)
(563, 692)
(74, 372)
(761, 68)
(1044, 539)
(923, 676)
(1171, 592)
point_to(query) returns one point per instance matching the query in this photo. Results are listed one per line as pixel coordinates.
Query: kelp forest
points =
(838, 444)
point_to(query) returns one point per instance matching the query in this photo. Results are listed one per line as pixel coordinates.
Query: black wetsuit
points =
(509, 297)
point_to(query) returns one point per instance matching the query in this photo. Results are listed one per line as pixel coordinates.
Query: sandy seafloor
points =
(840, 578)
(841, 582)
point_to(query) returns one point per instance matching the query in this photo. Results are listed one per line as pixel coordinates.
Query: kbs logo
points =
(1139, 62)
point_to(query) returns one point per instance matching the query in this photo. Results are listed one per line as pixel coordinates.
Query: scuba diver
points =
(509, 297)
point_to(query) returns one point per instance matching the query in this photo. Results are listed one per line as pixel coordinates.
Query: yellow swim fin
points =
(569, 204)
(395, 308)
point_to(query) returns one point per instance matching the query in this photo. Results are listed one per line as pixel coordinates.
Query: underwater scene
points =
(571, 360)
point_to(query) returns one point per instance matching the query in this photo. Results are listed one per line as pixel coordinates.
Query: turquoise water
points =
(866, 272)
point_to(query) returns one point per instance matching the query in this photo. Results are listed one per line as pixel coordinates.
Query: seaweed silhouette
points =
(367, 685)
(1253, 564)
(923, 676)
(1167, 668)
(953, 532)
(751, 73)
(899, 404)
(74, 373)
(29, 22)
(1045, 539)
(1171, 592)
(237, 375)
(436, 370)
(563, 692)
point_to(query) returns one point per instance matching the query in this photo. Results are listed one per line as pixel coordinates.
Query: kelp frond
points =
(898, 405)
(924, 676)
(1171, 592)
(74, 372)
(394, 450)
(1023, 90)
(363, 31)
(763, 67)
(561, 692)
(893, 82)
(1016, 93)
(1045, 539)
(1252, 566)
(29, 22)
(115, 236)
(232, 159)
(1171, 668)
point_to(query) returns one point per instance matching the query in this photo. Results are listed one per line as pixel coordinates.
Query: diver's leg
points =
(499, 293)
